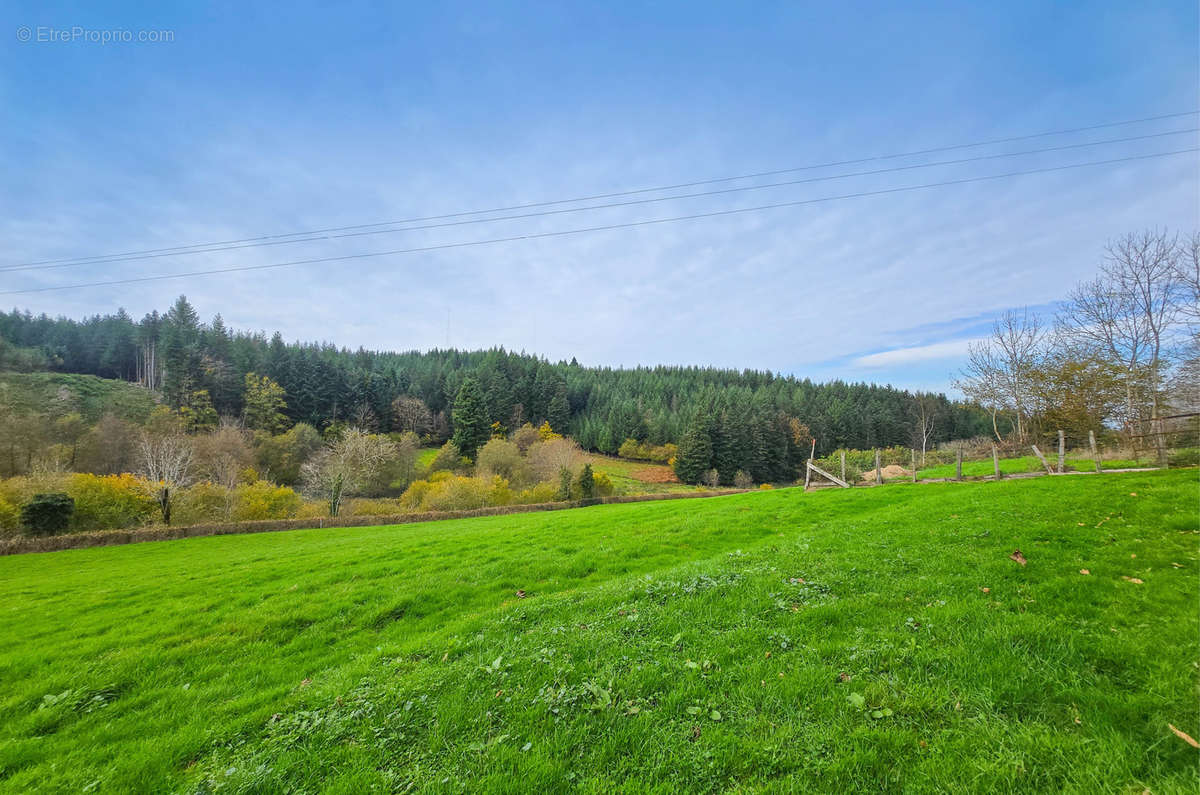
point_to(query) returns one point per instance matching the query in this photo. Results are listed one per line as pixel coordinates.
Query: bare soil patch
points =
(889, 471)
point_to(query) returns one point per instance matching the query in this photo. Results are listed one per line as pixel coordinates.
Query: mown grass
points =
(872, 640)
(1028, 463)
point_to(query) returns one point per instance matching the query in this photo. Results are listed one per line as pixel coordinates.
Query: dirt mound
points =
(889, 471)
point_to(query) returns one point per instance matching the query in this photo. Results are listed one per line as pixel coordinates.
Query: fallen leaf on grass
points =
(1084, 571)
(843, 677)
(1133, 580)
(1187, 738)
(1133, 494)
(1134, 555)
(1176, 565)
(695, 733)
(1018, 557)
(986, 590)
(1080, 524)
(768, 655)
(520, 594)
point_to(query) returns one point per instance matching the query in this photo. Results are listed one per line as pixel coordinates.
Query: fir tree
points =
(587, 482)
(694, 457)
(472, 428)
(558, 413)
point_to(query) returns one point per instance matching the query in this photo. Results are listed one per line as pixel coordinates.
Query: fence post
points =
(843, 464)
(996, 461)
(958, 465)
(1062, 452)
(1042, 458)
(1095, 455)
(878, 469)
(914, 452)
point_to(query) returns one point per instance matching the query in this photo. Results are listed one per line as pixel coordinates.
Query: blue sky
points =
(272, 120)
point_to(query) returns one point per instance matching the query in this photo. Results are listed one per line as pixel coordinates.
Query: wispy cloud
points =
(952, 349)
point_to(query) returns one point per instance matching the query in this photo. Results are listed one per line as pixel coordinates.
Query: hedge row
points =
(15, 546)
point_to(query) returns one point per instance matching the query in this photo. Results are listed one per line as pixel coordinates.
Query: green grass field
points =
(870, 640)
(1028, 463)
(621, 472)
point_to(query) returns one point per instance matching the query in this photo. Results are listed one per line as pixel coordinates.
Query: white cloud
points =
(952, 349)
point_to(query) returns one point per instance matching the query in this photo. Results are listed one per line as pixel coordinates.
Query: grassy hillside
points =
(66, 392)
(639, 477)
(874, 639)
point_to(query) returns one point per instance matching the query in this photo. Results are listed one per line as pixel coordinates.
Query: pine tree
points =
(587, 482)
(695, 453)
(180, 352)
(558, 413)
(472, 428)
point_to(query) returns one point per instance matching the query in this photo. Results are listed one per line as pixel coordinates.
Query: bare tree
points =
(1186, 383)
(1126, 315)
(166, 459)
(222, 456)
(411, 414)
(981, 381)
(347, 465)
(924, 413)
(1000, 370)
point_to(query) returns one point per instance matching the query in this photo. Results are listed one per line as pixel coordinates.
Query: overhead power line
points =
(279, 237)
(606, 227)
(586, 208)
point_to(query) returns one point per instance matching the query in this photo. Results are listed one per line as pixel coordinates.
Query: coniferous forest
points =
(751, 415)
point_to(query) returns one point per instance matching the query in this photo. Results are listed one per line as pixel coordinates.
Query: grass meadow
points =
(1029, 463)
(870, 639)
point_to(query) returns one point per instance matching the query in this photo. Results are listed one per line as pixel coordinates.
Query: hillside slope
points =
(69, 392)
(867, 640)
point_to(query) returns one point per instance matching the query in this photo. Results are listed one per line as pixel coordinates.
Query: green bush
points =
(10, 518)
(1184, 457)
(47, 514)
(265, 500)
(107, 502)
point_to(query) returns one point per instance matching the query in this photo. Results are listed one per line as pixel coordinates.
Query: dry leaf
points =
(1187, 738)
(306, 683)
(1133, 580)
(1134, 555)
(520, 594)
(695, 733)
(768, 655)
(986, 590)
(1084, 571)
(1018, 557)
(1133, 494)
(1176, 565)
(1079, 523)
(843, 677)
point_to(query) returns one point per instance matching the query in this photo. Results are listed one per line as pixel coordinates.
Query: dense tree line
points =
(209, 370)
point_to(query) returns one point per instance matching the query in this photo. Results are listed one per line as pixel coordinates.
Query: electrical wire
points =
(606, 227)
